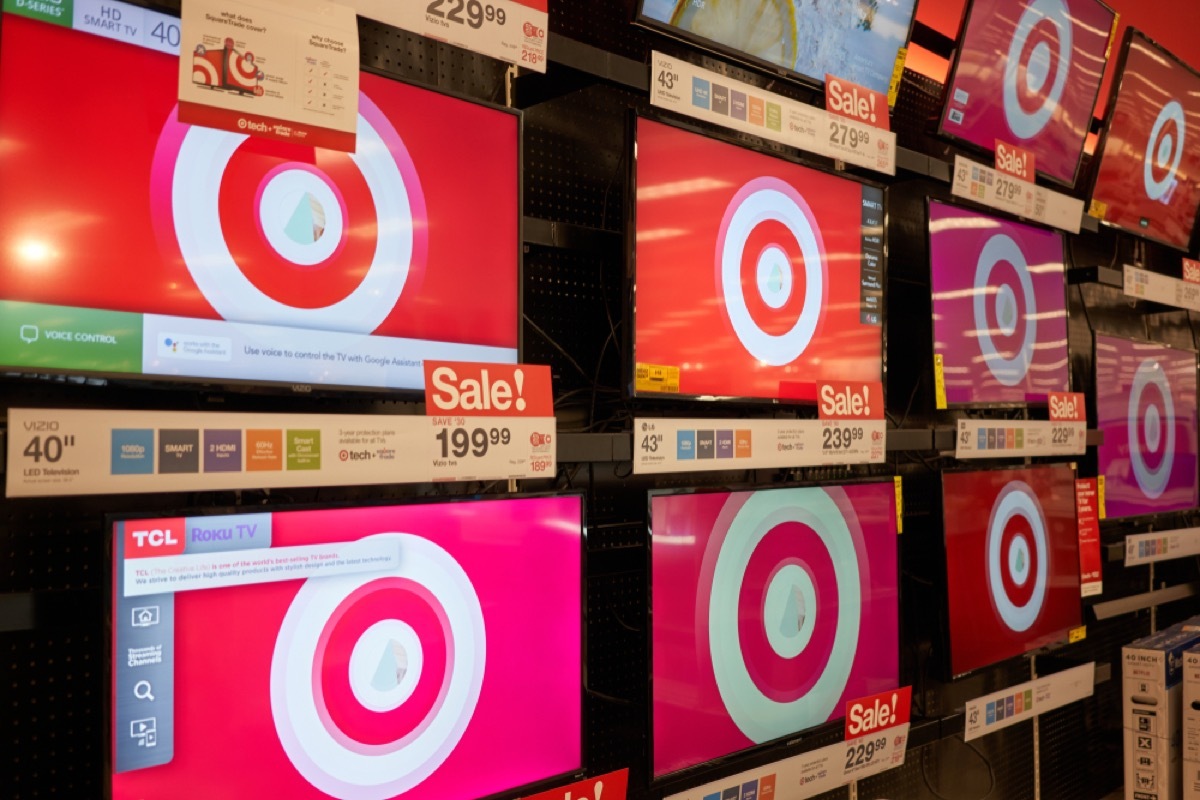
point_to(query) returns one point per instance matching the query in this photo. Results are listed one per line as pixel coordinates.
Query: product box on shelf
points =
(1191, 724)
(1153, 675)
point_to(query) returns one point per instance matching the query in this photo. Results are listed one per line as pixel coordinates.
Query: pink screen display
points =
(771, 610)
(402, 662)
(1028, 73)
(1149, 174)
(999, 307)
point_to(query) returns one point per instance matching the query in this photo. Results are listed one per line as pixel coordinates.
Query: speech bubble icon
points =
(29, 334)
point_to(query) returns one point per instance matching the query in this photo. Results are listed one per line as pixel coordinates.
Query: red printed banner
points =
(612, 786)
(1015, 161)
(850, 400)
(869, 715)
(1191, 270)
(487, 390)
(1067, 407)
(859, 103)
(1087, 514)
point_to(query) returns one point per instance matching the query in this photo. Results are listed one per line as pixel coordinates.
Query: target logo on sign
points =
(1037, 67)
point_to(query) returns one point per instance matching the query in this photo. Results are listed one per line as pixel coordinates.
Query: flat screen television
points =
(753, 276)
(358, 653)
(1027, 73)
(1147, 180)
(1012, 562)
(999, 308)
(133, 245)
(1146, 409)
(857, 41)
(770, 610)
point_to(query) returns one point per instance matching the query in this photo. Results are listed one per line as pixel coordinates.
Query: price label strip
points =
(1148, 548)
(990, 187)
(1064, 434)
(1002, 709)
(1145, 285)
(691, 91)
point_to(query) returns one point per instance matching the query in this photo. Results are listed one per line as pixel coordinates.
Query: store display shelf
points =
(1140, 602)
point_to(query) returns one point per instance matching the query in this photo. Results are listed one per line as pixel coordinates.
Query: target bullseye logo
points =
(1037, 67)
(771, 270)
(1151, 424)
(781, 607)
(1164, 151)
(1018, 556)
(1005, 307)
(324, 243)
(375, 677)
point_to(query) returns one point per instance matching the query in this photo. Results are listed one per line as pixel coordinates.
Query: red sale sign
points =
(1087, 514)
(487, 390)
(1067, 407)
(1015, 161)
(870, 715)
(850, 400)
(612, 786)
(859, 103)
(1191, 270)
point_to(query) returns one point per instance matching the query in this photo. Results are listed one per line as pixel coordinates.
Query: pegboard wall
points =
(576, 153)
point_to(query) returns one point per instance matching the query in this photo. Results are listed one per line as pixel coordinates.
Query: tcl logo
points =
(850, 400)
(501, 390)
(1191, 270)
(1014, 161)
(154, 537)
(856, 102)
(871, 714)
(1067, 407)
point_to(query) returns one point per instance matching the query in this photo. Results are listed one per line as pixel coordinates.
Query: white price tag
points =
(990, 187)
(702, 94)
(998, 710)
(1146, 285)
(1019, 438)
(480, 448)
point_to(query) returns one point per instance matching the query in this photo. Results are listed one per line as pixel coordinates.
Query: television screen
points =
(1027, 73)
(999, 307)
(131, 244)
(1012, 562)
(1146, 409)
(756, 277)
(856, 41)
(1148, 178)
(771, 609)
(355, 653)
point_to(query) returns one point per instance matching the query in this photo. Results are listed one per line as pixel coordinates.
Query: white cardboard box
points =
(1191, 724)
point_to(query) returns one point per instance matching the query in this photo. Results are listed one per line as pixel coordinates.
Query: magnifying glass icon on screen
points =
(142, 690)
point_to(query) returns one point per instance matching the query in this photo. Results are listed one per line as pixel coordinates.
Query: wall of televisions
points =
(672, 601)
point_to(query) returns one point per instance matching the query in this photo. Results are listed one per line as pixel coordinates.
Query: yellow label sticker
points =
(899, 504)
(897, 76)
(1100, 497)
(1098, 209)
(939, 381)
(656, 378)
(1077, 634)
(1112, 35)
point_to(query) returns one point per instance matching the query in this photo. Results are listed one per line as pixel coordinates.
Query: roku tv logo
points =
(148, 538)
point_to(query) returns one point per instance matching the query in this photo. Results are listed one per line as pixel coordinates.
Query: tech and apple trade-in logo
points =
(771, 270)
(1005, 309)
(1150, 418)
(811, 556)
(1164, 152)
(1018, 557)
(1037, 66)
(270, 236)
(415, 646)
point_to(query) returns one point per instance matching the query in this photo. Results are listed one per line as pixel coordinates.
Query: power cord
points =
(973, 749)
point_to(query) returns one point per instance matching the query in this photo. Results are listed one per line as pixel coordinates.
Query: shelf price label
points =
(1064, 434)
(1143, 284)
(990, 187)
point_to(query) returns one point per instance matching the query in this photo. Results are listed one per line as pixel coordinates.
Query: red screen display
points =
(756, 277)
(1149, 173)
(1012, 562)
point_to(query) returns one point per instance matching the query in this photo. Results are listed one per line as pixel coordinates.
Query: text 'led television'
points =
(1027, 73)
(353, 653)
(771, 610)
(132, 244)
(755, 277)
(857, 40)
(1146, 409)
(1148, 178)
(999, 307)
(1012, 562)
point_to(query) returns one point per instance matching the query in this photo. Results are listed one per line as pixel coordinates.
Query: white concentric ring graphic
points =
(389, 634)
(379, 774)
(284, 193)
(758, 201)
(1002, 248)
(759, 717)
(1017, 499)
(1023, 124)
(1170, 148)
(791, 590)
(203, 157)
(1153, 482)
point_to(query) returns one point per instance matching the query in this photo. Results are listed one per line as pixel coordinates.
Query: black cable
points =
(973, 749)
(555, 345)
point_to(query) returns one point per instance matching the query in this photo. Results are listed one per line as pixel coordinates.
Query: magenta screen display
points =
(771, 610)
(999, 307)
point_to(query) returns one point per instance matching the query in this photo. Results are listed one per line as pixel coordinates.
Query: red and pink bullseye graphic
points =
(781, 608)
(771, 270)
(1164, 152)
(1151, 421)
(1005, 309)
(1018, 554)
(375, 678)
(1037, 67)
(293, 236)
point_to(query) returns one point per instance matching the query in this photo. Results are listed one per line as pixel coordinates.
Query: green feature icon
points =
(63, 338)
(303, 449)
(60, 12)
